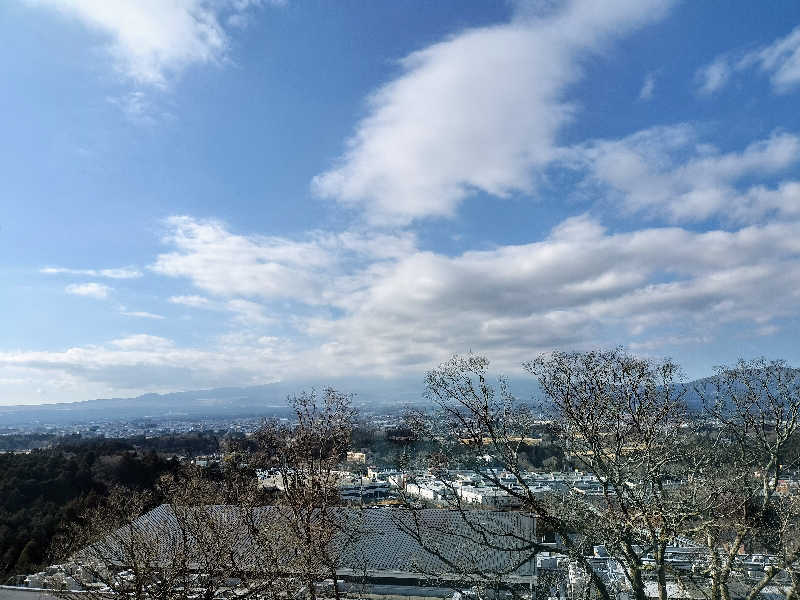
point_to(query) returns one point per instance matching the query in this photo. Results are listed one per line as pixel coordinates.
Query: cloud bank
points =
(579, 287)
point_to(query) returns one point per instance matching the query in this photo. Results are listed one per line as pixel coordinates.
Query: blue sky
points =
(201, 193)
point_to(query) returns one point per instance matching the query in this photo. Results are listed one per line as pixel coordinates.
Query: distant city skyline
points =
(208, 193)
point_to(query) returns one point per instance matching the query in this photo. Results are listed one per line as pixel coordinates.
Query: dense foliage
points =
(44, 488)
(26, 441)
(187, 444)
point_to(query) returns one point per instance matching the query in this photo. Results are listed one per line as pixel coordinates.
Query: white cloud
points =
(151, 40)
(245, 312)
(713, 77)
(240, 17)
(580, 287)
(90, 290)
(648, 87)
(667, 171)
(118, 273)
(780, 60)
(479, 111)
(140, 107)
(227, 265)
(141, 314)
(143, 341)
(142, 362)
(193, 301)
(249, 313)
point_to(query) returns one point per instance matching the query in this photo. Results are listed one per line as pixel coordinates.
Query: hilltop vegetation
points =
(42, 489)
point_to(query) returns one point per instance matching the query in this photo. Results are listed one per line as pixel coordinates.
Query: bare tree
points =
(473, 418)
(756, 407)
(213, 538)
(188, 548)
(303, 458)
(622, 418)
(625, 421)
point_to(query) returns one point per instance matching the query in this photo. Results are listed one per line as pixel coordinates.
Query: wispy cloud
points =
(143, 341)
(713, 76)
(119, 273)
(141, 107)
(780, 61)
(382, 306)
(193, 301)
(667, 171)
(249, 313)
(246, 313)
(270, 267)
(151, 42)
(573, 288)
(144, 362)
(140, 314)
(90, 290)
(648, 87)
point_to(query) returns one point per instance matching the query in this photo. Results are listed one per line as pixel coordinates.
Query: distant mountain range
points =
(371, 396)
(217, 403)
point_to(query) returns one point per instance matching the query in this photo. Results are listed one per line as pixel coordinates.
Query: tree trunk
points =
(769, 574)
(335, 579)
(602, 588)
(661, 571)
(726, 594)
(727, 566)
(715, 595)
(637, 583)
(312, 590)
(794, 592)
(714, 567)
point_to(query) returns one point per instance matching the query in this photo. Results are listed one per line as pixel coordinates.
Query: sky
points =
(204, 193)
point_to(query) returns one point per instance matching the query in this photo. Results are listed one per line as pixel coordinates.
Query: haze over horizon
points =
(210, 193)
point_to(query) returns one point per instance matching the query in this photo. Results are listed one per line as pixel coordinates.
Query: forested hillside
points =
(40, 490)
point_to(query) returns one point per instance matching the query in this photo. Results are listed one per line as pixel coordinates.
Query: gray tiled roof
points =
(426, 541)
(8, 592)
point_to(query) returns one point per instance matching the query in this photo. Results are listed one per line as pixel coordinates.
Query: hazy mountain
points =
(371, 395)
(229, 402)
